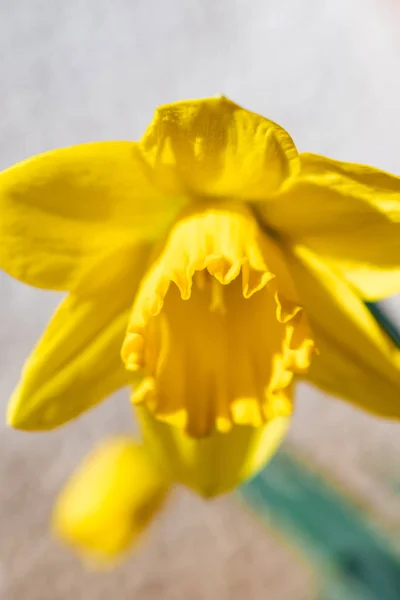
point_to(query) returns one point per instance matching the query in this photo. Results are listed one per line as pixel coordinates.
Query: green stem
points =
(353, 557)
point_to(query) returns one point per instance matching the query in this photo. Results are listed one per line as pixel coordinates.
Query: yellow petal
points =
(215, 464)
(357, 360)
(215, 147)
(348, 214)
(213, 326)
(109, 501)
(77, 362)
(61, 210)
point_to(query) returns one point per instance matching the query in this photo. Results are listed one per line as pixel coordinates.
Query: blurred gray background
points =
(81, 71)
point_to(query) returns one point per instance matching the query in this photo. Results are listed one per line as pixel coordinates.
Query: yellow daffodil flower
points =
(220, 264)
(103, 509)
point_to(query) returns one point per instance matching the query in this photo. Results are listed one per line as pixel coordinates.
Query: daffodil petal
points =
(214, 147)
(348, 214)
(109, 501)
(77, 362)
(214, 464)
(63, 209)
(357, 360)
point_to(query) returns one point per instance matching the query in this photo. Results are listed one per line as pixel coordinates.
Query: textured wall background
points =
(78, 71)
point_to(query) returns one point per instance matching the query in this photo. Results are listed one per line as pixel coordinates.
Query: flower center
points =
(221, 345)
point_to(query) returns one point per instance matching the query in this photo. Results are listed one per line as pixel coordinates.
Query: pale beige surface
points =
(79, 71)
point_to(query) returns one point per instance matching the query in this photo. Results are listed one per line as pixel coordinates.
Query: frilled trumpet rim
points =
(221, 345)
